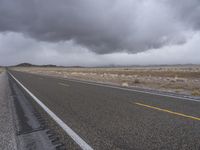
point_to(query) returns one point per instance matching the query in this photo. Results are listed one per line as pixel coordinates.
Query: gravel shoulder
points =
(7, 130)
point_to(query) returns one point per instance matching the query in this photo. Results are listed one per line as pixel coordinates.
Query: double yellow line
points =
(168, 111)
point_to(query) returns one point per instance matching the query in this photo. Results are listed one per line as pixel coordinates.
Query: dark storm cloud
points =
(188, 11)
(103, 26)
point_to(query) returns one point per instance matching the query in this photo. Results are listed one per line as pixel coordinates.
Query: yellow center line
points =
(168, 111)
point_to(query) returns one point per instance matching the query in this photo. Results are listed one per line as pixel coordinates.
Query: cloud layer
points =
(104, 26)
(68, 53)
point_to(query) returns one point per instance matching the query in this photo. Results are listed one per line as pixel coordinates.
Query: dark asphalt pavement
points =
(111, 118)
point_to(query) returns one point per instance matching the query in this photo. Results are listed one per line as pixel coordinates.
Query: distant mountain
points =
(25, 65)
(49, 65)
(32, 65)
(106, 66)
(74, 67)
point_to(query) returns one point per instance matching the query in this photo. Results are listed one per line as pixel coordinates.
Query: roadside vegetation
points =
(196, 92)
(179, 79)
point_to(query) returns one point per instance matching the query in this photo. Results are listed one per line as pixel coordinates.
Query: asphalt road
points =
(112, 118)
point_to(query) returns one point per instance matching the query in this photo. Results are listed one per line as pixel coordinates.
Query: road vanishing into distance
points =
(107, 117)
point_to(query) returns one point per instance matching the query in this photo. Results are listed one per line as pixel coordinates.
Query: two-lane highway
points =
(113, 118)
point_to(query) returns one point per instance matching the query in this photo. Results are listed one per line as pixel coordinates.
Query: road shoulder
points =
(7, 130)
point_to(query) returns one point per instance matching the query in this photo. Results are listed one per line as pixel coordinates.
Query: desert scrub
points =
(196, 92)
(136, 81)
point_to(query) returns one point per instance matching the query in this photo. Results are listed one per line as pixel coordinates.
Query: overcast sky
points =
(100, 32)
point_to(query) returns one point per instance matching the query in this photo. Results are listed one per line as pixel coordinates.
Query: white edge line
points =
(126, 89)
(66, 128)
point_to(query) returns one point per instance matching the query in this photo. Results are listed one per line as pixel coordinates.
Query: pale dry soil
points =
(179, 79)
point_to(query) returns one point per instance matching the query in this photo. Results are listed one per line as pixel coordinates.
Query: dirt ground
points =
(179, 79)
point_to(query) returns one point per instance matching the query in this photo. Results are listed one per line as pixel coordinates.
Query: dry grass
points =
(196, 92)
(181, 79)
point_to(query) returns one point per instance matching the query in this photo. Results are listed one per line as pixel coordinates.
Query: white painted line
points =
(66, 128)
(63, 84)
(133, 90)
